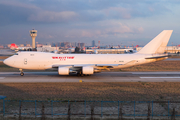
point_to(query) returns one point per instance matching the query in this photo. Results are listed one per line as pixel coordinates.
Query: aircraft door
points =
(25, 61)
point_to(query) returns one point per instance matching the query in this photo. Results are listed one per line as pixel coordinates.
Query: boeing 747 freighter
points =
(87, 64)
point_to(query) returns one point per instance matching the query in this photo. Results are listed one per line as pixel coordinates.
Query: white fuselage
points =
(42, 61)
(90, 63)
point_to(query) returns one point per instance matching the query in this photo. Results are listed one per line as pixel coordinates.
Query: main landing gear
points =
(21, 72)
(80, 74)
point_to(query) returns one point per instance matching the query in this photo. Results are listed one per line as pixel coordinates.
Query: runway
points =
(32, 77)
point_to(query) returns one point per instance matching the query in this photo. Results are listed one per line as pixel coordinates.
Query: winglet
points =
(158, 44)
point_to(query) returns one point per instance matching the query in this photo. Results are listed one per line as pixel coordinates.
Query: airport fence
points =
(116, 109)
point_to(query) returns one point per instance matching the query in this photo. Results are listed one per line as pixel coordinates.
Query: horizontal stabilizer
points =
(157, 57)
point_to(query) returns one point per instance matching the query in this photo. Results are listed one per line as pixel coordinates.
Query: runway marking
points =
(159, 77)
(2, 77)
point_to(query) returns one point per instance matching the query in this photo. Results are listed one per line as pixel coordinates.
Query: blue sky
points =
(113, 22)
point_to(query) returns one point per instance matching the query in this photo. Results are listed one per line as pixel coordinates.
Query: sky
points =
(112, 22)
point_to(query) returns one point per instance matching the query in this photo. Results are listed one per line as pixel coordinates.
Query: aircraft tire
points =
(80, 74)
(22, 74)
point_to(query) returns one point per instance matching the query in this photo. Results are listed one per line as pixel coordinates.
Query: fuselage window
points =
(31, 54)
(16, 54)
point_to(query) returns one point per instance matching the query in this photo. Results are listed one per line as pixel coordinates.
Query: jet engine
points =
(63, 71)
(87, 70)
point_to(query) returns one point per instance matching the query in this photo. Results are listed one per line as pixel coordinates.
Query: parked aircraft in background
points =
(15, 47)
(86, 64)
(130, 51)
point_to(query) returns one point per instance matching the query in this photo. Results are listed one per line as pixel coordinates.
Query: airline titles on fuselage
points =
(63, 58)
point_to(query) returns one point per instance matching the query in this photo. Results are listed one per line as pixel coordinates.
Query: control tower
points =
(33, 34)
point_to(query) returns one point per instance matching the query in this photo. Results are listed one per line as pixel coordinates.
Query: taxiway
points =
(32, 77)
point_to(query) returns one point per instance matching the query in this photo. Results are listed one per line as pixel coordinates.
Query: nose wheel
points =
(21, 72)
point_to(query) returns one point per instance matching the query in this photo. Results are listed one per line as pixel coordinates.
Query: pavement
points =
(5, 52)
(33, 77)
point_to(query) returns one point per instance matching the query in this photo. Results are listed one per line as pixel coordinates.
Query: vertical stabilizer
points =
(158, 44)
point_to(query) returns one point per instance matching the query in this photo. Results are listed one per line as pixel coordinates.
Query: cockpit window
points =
(16, 54)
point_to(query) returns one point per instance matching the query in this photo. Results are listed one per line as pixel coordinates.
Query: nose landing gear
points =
(21, 72)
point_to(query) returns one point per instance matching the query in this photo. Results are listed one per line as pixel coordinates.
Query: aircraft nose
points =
(5, 61)
(8, 61)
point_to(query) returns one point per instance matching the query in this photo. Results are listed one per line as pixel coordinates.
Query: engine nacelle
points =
(87, 70)
(63, 71)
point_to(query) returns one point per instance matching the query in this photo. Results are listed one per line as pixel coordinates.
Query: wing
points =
(77, 67)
